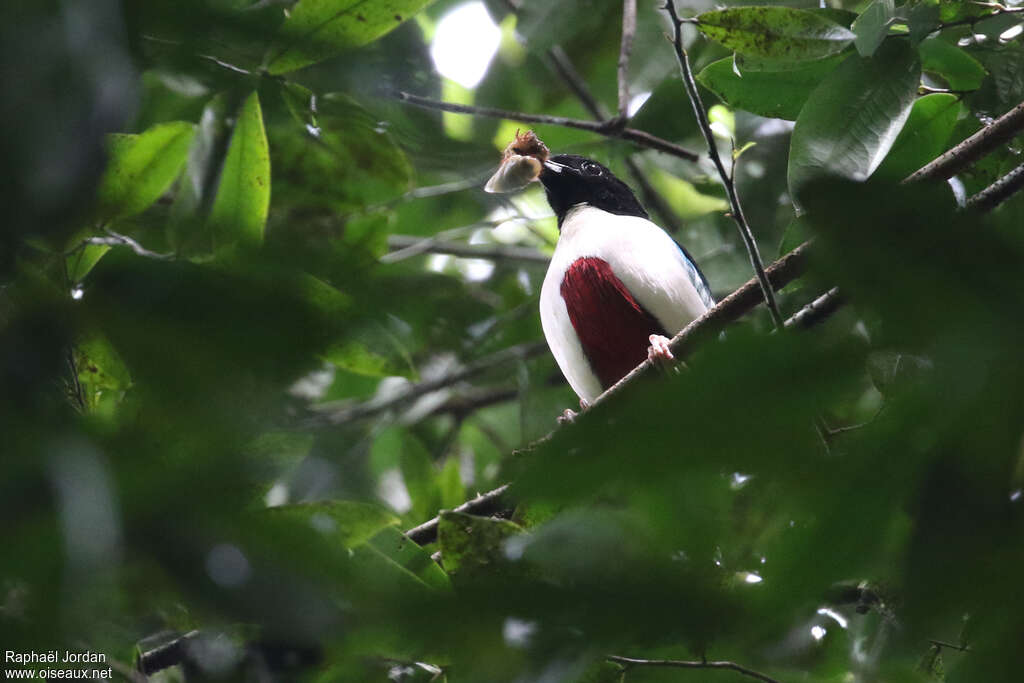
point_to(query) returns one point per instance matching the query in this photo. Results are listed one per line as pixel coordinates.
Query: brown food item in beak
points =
(521, 164)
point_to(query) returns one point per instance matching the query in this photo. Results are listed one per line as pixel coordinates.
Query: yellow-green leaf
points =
(318, 29)
(141, 168)
(239, 211)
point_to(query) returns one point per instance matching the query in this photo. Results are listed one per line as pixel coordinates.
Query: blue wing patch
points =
(700, 283)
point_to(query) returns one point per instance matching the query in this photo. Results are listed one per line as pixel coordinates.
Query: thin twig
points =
(680, 664)
(483, 504)
(1000, 131)
(115, 239)
(942, 643)
(730, 187)
(998, 192)
(562, 65)
(817, 310)
(628, 32)
(606, 128)
(405, 246)
(333, 414)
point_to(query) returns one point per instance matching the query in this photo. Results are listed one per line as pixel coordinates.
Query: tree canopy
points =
(276, 403)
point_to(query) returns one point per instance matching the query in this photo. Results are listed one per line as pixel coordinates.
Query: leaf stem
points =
(609, 128)
(727, 181)
(680, 664)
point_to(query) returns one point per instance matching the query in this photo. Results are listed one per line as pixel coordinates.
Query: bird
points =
(617, 286)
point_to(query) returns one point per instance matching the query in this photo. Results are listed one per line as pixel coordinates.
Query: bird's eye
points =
(590, 168)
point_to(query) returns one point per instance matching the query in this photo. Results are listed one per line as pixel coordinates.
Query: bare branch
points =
(998, 192)
(816, 311)
(628, 32)
(339, 413)
(680, 664)
(606, 128)
(999, 132)
(406, 246)
(483, 504)
(115, 239)
(727, 181)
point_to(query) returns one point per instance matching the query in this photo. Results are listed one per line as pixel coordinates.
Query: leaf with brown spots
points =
(319, 29)
(778, 33)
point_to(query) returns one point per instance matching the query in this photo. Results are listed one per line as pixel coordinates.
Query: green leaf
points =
(779, 33)
(851, 120)
(960, 70)
(922, 18)
(420, 476)
(473, 547)
(774, 94)
(100, 366)
(318, 29)
(685, 199)
(796, 233)
(872, 26)
(239, 211)
(924, 136)
(82, 260)
(453, 493)
(390, 543)
(350, 523)
(141, 168)
(345, 162)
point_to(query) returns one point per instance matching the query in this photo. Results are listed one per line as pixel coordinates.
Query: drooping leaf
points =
(318, 29)
(239, 211)
(923, 137)
(420, 476)
(82, 259)
(960, 70)
(779, 33)
(142, 167)
(347, 522)
(851, 120)
(774, 94)
(872, 26)
(453, 493)
(393, 546)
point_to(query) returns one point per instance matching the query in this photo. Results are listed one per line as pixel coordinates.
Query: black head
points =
(569, 180)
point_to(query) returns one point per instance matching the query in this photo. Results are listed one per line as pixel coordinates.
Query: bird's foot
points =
(569, 416)
(659, 353)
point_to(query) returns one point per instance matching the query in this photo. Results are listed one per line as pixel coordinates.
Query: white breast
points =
(647, 261)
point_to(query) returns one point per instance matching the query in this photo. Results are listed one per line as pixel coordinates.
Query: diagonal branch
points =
(679, 664)
(606, 128)
(628, 32)
(483, 504)
(727, 180)
(998, 192)
(947, 165)
(816, 311)
(708, 326)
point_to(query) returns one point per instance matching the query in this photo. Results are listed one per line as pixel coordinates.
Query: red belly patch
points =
(612, 327)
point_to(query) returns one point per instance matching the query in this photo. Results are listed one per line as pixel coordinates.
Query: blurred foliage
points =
(224, 394)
